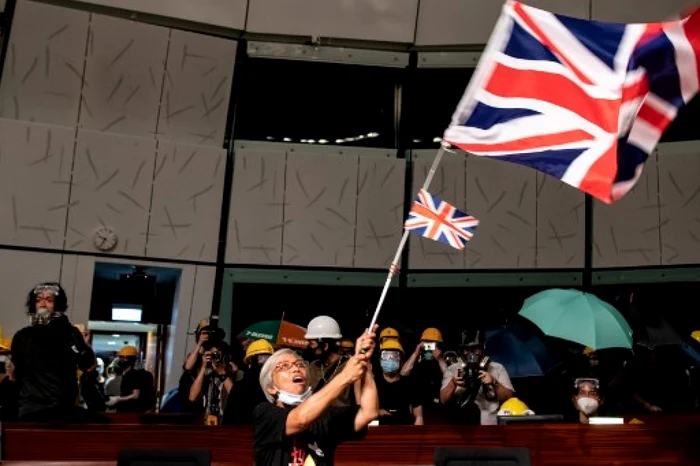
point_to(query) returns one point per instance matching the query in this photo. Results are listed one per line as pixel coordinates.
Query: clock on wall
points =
(105, 239)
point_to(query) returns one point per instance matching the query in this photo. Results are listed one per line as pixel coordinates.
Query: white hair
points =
(269, 367)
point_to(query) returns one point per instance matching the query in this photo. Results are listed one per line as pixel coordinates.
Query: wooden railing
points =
(663, 440)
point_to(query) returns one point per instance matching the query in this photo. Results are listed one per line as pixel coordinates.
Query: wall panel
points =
(225, 13)
(35, 167)
(637, 11)
(383, 21)
(380, 205)
(320, 209)
(111, 187)
(561, 227)
(449, 22)
(679, 199)
(198, 79)
(503, 197)
(626, 233)
(186, 205)
(124, 70)
(256, 216)
(43, 72)
(449, 185)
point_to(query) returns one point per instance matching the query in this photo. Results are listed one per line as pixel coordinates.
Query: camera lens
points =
(216, 357)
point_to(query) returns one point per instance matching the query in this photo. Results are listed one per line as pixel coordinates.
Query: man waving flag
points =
(583, 101)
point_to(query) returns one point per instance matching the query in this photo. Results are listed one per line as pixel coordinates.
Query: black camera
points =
(217, 357)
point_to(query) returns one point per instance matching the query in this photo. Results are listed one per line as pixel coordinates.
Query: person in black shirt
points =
(247, 394)
(298, 428)
(399, 403)
(199, 395)
(46, 356)
(137, 390)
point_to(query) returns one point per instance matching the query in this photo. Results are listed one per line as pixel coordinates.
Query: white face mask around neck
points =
(291, 399)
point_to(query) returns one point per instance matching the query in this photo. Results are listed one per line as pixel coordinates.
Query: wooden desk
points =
(663, 441)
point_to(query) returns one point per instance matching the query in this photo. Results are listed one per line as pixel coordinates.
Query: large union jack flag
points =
(583, 101)
(433, 218)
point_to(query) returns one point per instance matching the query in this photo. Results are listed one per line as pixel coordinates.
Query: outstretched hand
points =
(365, 344)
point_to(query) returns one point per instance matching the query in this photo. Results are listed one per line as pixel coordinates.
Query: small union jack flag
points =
(583, 101)
(435, 219)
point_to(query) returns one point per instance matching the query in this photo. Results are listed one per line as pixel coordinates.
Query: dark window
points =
(326, 103)
(430, 100)
(685, 126)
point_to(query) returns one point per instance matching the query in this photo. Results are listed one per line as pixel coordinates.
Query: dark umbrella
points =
(520, 349)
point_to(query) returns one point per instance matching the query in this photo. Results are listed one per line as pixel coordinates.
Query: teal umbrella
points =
(579, 317)
(263, 330)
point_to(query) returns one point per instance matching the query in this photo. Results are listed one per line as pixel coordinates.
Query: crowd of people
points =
(53, 375)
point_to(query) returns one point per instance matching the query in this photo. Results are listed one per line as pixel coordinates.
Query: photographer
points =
(207, 390)
(204, 332)
(475, 382)
(46, 356)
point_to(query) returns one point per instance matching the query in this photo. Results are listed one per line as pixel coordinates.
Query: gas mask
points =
(40, 317)
(315, 354)
(587, 405)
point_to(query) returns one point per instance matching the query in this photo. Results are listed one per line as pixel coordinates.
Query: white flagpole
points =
(393, 269)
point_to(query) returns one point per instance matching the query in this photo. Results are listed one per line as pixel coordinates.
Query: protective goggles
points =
(53, 289)
(594, 382)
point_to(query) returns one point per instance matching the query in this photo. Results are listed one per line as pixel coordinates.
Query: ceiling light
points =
(339, 141)
(116, 335)
(437, 139)
(287, 140)
(323, 141)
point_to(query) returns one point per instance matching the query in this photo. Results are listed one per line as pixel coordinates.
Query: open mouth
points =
(298, 379)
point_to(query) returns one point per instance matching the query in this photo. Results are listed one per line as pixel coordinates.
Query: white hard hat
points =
(323, 327)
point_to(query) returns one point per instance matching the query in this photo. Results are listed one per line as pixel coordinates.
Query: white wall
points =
(109, 122)
(423, 22)
(225, 13)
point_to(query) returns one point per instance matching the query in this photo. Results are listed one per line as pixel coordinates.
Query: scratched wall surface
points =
(87, 104)
(679, 199)
(626, 233)
(35, 166)
(527, 219)
(321, 207)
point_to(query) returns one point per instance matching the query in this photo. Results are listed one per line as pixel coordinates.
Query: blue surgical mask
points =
(428, 355)
(291, 399)
(390, 366)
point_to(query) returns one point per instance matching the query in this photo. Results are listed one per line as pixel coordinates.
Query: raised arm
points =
(301, 417)
(369, 400)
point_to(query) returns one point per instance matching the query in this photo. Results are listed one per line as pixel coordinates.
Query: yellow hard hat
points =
(514, 407)
(345, 343)
(696, 335)
(128, 352)
(431, 334)
(391, 344)
(389, 333)
(257, 347)
(202, 325)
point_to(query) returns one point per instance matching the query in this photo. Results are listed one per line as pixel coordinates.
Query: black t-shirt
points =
(141, 380)
(397, 398)
(274, 448)
(244, 397)
(8, 399)
(46, 366)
